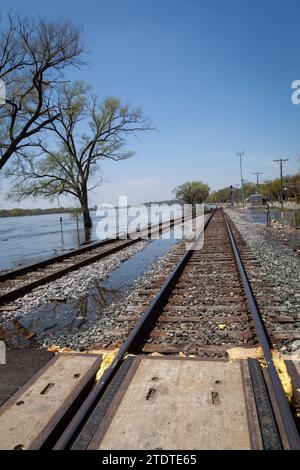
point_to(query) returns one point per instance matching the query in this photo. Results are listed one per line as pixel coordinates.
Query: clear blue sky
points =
(214, 76)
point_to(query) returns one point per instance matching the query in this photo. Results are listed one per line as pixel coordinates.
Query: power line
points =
(281, 161)
(240, 154)
(257, 173)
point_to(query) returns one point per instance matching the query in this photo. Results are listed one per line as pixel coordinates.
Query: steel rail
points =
(26, 288)
(53, 259)
(71, 253)
(285, 421)
(133, 340)
(17, 292)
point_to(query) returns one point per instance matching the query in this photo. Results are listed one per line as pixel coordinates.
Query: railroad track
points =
(204, 307)
(17, 283)
(206, 311)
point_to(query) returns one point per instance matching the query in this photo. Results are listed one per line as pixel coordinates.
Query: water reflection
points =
(72, 315)
(259, 216)
(59, 317)
(87, 234)
(28, 239)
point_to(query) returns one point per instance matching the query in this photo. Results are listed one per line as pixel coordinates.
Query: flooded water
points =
(72, 316)
(28, 239)
(290, 238)
(257, 216)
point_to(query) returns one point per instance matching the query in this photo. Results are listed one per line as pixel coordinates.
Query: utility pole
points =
(240, 154)
(257, 173)
(280, 161)
(232, 187)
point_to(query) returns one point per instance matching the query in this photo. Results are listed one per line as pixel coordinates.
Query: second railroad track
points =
(19, 282)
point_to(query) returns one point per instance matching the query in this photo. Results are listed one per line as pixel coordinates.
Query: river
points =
(28, 239)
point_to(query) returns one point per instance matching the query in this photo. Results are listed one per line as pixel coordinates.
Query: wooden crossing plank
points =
(180, 404)
(29, 417)
(293, 367)
(21, 365)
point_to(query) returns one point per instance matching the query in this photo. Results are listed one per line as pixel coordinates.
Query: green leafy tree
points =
(294, 188)
(192, 192)
(249, 188)
(221, 195)
(271, 189)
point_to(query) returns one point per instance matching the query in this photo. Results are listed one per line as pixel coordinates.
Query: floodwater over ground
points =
(72, 316)
(257, 216)
(290, 237)
(28, 239)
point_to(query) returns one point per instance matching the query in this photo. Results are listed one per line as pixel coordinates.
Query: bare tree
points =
(86, 132)
(33, 58)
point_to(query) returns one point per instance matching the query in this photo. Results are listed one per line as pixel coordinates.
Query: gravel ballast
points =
(279, 264)
(108, 329)
(73, 286)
